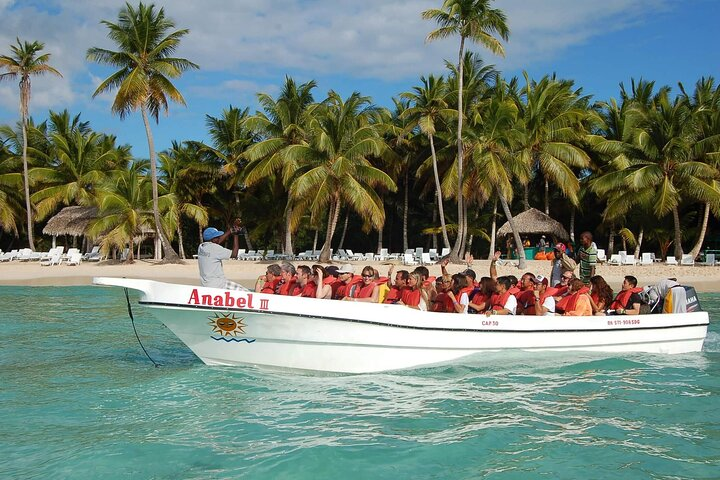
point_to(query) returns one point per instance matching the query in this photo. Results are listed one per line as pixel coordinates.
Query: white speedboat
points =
(230, 327)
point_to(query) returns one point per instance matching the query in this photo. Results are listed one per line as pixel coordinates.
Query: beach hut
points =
(71, 221)
(535, 222)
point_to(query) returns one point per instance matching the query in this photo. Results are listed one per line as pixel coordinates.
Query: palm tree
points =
(429, 106)
(180, 167)
(336, 168)
(476, 21)
(80, 160)
(146, 44)
(282, 124)
(10, 184)
(552, 114)
(24, 62)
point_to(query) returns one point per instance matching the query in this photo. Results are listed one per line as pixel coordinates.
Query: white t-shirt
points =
(549, 303)
(210, 257)
(464, 301)
(511, 304)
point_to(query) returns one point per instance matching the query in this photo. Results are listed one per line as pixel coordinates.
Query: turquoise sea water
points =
(78, 399)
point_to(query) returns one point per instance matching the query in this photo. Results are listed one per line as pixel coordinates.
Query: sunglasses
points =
(567, 278)
(367, 276)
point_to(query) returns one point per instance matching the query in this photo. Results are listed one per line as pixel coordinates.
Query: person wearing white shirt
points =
(544, 304)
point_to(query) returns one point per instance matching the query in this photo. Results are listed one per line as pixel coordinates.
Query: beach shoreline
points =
(703, 278)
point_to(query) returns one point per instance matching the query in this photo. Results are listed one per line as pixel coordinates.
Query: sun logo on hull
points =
(226, 324)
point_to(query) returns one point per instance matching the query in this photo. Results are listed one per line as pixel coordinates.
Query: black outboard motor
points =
(691, 299)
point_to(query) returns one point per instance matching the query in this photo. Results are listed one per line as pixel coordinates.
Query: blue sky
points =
(373, 46)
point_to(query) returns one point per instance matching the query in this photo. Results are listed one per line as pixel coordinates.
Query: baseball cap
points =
(332, 270)
(561, 247)
(212, 232)
(347, 268)
(540, 279)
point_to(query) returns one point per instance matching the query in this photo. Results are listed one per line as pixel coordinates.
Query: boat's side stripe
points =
(417, 327)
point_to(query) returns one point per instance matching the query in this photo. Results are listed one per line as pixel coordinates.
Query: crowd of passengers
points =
(459, 293)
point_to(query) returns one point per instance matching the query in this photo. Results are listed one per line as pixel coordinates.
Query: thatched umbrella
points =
(535, 222)
(70, 221)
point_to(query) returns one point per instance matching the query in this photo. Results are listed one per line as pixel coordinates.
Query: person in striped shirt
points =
(587, 256)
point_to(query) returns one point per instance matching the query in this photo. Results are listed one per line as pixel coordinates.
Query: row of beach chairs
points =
(54, 256)
(622, 258)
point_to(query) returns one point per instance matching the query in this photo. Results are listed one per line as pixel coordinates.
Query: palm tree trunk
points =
(405, 213)
(380, 240)
(333, 215)
(345, 225)
(526, 198)
(170, 255)
(547, 197)
(26, 180)
(611, 241)
(438, 194)
(701, 237)
(315, 241)
(460, 240)
(639, 243)
(181, 248)
(572, 224)
(131, 255)
(493, 228)
(678, 233)
(465, 229)
(287, 245)
(434, 222)
(516, 235)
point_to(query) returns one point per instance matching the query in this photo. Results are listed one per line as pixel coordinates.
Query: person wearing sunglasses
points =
(366, 291)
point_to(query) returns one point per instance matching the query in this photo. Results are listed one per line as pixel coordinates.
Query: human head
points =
(273, 272)
(303, 274)
(513, 280)
(459, 281)
(401, 278)
(487, 285)
(586, 239)
(288, 271)
(471, 275)
(503, 284)
(560, 248)
(368, 274)
(526, 281)
(629, 282)
(346, 272)
(415, 280)
(540, 283)
(423, 272)
(597, 282)
(566, 278)
(576, 284)
(330, 271)
(212, 233)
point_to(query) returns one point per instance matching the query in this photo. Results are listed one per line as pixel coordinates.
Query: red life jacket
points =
(526, 302)
(271, 287)
(288, 288)
(350, 289)
(310, 290)
(570, 301)
(561, 290)
(467, 290)
(412, 297)
(442, 303)
(481, 298)
(393, 295)
(622, 298)
(513, 290)
(498, 301)
(365, 291)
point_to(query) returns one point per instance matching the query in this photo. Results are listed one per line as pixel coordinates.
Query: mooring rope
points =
(132, 320)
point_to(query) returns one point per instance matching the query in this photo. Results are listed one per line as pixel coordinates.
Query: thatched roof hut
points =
(534, 221)
(71, 221)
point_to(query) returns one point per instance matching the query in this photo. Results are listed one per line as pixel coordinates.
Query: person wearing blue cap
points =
(211, 253)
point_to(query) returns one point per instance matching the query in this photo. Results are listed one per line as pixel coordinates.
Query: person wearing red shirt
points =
(367, 291)
(346, 274)
(288, 284)
(305, 283)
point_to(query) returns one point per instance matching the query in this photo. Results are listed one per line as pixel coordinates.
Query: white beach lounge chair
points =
(614, 259)
(601, 258)
(687, 260)
(408, 259)
(626, 259)
(670, 260)
(646, 259)
(709, 260)
(56, 259)
(74, 259)
(426, 260)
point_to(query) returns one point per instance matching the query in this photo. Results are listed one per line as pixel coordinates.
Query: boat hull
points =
(235, 328)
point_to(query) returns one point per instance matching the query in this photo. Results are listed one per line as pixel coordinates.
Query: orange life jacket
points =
(310, 290)
(365, 291)
(526, 302)
(412, 297)
(271, 287)
(393, 295)
(498, 301)
(569, 302)
(442, 303)
(622, 298)
(288, 288)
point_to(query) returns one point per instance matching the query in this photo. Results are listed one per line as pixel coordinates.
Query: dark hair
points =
(576, 284)
(487, 285)
(274, 269)
(404, 274)
(368, 269)
(586, 234)
(423, 271)
(470, 273)
(319, 268)
(506, 282)
(459, 281)
(631, 280)
(602, 289)
(513, 279)
(304, 269)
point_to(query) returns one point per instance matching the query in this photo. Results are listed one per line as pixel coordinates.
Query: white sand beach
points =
(703, 278)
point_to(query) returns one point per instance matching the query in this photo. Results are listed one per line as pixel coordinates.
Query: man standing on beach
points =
(211, 253)
(587, 254)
